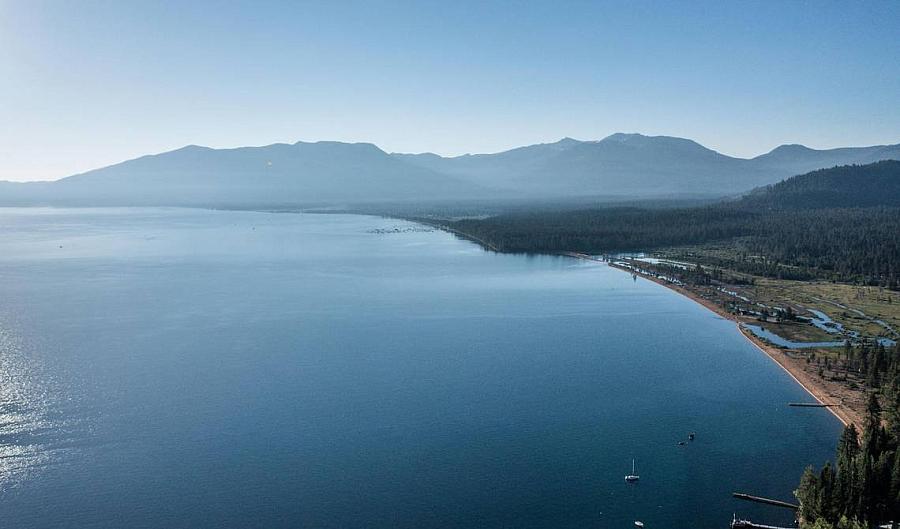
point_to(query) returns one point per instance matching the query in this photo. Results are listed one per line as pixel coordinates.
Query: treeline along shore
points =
(838, 224)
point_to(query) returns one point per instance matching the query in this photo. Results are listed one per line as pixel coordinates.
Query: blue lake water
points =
(192, 368)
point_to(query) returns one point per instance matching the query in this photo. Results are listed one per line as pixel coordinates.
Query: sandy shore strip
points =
(820, 389)
(844, 414)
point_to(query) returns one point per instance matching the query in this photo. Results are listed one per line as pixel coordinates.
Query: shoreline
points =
(817, 388)
(793, 367)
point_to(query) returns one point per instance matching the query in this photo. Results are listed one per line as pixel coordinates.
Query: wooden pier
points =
(737, 523)
(767, 501)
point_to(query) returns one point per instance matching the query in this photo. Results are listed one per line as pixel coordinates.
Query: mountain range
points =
(333, 172)
(638, 165)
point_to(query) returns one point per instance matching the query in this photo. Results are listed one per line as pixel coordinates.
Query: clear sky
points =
(86, 84)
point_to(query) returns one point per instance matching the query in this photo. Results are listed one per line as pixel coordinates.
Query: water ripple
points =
(34, 432)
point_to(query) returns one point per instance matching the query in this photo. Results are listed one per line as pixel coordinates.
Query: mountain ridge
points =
(621, 164)
(280, 173)
(849, 186)
(633, 163)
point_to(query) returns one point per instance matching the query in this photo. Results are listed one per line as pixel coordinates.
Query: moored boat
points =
(632, 477)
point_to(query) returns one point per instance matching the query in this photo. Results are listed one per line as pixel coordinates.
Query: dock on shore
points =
(737, 523)
(767, 501)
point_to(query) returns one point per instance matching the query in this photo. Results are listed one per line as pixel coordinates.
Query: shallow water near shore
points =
(193, 368)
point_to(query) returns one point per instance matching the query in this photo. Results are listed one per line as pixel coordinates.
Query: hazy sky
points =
(86, 84)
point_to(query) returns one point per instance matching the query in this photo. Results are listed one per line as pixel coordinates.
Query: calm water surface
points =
(191, 368)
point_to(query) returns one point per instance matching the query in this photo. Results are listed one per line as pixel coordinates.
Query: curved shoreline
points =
(817, 389)
(791, 366)
(845, 416)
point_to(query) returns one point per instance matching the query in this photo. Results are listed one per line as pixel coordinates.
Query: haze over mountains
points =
(333, 172)
(836, 223)
(634, 164)
(322, 172)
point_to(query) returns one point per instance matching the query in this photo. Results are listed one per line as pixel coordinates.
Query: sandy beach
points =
(845, 404)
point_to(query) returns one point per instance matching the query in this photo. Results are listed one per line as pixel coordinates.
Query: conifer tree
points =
(807, 494)
(845, 480)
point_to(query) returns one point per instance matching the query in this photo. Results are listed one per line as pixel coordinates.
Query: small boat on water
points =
(630, 478)
(691, 436)
(638, 523)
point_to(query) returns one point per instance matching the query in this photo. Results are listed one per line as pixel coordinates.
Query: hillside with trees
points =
(862, 487)
(838, 224)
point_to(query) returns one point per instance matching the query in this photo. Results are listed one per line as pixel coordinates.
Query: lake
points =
(194, 368)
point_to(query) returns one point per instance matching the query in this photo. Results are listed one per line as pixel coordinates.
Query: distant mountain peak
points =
(793, 147)
(800, 159)
(642, 139)
(565, 143)
(636, 140)
(192, 147)
(790, 149)
(334, 143)
(623, 137)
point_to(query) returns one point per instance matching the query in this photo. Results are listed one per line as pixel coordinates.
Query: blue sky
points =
(87, 84)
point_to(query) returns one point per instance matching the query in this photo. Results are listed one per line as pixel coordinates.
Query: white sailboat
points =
(632, 477)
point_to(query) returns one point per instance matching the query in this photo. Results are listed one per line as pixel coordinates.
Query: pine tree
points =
(863, 508)
(892, 403)
(846, 523)
(845, 480)
(807, 494)
(872, 430)
(882, 502)
(869, 487)
(826, 505)
(895, 488)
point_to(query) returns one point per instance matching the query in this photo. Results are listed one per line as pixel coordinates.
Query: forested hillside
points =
(876, 184)
(840, 223)
(862, 488)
